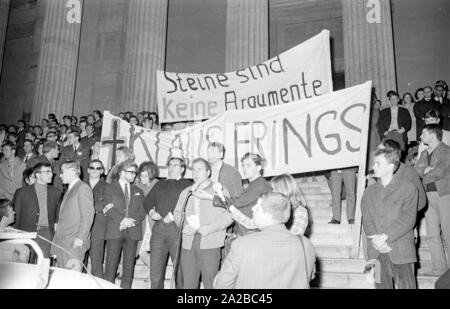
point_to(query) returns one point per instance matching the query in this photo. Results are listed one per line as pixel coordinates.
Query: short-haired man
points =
(11, 170)
(252, 165)
(406, 172)
(123, 224)
(160, 204)
(204, 229)
(223, 173)
(28, 148)
(226, 175)
(75, 151)
(37, 207)
(75, 219)
(434, 168)
(421, 107)
(389, 211)
(273, 258)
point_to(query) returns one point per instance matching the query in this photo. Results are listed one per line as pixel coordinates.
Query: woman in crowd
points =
(408, 103)
(286, 184)
(419, 95)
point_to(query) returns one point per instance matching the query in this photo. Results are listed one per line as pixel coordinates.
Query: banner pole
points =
(361, 181)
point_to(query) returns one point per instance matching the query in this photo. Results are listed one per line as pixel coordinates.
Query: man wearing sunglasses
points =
(37, 207)
(102, 198)
(123, 224)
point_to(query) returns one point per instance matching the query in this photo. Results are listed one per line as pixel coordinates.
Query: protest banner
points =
(302, 72)
(324, 133)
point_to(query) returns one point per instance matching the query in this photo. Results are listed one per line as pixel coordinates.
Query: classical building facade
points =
(74, 56)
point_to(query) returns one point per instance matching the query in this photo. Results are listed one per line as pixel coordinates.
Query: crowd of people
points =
(228, 230)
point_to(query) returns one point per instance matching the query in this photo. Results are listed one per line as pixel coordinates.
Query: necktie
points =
(127, 200)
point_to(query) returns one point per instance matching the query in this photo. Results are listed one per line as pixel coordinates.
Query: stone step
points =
(332, 229)
(317, 196)
(340, 265)
(308, 190)
(331, 240)
(359, 281)
(322, 202)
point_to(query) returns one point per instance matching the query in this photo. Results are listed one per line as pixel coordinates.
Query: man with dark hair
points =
(123, 225)
(252, 165)
(160, 204)
(434, 168)
(75, 151)
(28, 148)
(67, 121)
(421, 107)
(395, 122)
(203, 227)
(89, 139)
(98, 123)
(37, 207)
(11, 170)
(75, 219)
(406, 172)
(389, 211)
(271, 258)
(50, 155)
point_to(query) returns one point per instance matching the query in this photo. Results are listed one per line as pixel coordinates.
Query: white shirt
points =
(72, 184)
(122, 185)
(215, 172)
(394, 123)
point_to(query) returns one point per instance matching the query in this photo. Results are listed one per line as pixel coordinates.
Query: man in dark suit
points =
(395, 122)
(28, 148)
(102, 198)
(389, 211)
(75, 151)
(422, 107)
(37, 207)
(75, 219)
(50, 156)
(123, 224)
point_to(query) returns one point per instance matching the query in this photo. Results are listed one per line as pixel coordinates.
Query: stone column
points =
(4, 14)
(369, 44)
(144, 53)
(247, 33)
(58, 58)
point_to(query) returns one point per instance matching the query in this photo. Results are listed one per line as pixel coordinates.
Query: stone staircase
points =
(333, 243)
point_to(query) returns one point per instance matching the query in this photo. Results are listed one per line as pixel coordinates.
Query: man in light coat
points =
(75, 219)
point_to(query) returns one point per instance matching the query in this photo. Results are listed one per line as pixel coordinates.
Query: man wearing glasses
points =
(37, 207)
(124, 218)
(160, 204)
(102, 198)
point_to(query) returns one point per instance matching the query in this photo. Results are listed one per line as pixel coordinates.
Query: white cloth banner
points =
(300, 73)
(325, 133)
